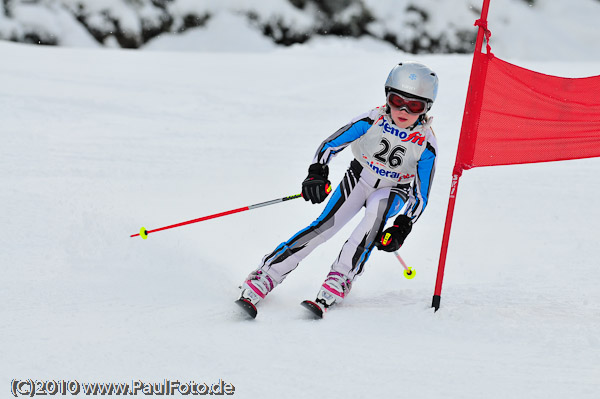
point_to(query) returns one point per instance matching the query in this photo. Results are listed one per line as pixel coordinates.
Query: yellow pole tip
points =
(410, 273)
(143, 233)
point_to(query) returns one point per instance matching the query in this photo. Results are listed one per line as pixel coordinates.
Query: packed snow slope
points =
(96, 144)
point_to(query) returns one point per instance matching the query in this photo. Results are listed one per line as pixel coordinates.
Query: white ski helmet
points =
(413, 79)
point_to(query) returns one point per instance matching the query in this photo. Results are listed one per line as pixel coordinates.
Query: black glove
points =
(393, 237)
(316, 187)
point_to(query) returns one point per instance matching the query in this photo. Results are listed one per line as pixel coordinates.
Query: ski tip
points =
(248, 307)
(315, 309)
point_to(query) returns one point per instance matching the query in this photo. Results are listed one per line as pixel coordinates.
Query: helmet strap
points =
(418, 122)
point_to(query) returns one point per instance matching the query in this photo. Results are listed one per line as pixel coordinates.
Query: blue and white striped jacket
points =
(404, 156)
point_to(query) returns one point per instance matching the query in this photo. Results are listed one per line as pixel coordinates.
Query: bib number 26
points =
(395, 155)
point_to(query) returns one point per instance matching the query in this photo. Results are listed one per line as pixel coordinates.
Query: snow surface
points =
(241, 39)
(96, 144)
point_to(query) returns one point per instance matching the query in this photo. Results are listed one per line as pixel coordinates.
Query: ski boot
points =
(334, 290)
(257, 285)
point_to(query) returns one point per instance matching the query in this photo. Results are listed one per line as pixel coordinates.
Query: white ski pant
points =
(359, 188)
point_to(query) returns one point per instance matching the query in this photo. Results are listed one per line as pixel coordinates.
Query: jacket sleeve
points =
(343, 137)
(419, 195)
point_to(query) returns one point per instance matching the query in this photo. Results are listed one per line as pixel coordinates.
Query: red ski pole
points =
(408, 271)
(144, 233)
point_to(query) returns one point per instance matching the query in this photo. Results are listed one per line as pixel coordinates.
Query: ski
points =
(315, 309)
(248, 307)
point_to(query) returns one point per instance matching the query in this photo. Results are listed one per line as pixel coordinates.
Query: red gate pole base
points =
(446, 237)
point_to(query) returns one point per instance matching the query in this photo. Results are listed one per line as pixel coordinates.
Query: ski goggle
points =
(411, 105)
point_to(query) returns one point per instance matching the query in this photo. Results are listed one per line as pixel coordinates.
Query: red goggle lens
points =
(411, 105)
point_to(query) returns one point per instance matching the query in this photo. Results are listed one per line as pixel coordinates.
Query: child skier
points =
(395, 156)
